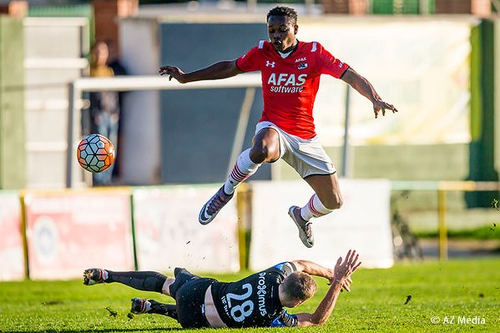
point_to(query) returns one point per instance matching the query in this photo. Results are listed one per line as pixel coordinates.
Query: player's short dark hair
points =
(299, 286)
(283, 11)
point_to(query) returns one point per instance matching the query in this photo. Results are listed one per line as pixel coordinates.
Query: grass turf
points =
(468, 288)
(481, 233)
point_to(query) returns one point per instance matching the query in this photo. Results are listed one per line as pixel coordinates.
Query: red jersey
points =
(289, 85)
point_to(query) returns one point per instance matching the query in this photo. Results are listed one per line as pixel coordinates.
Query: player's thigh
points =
(327, 188)
(266, 146)
(190, 300)
(182, 276)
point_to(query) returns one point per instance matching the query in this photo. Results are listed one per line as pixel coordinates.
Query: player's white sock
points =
(243, 168)
(314, 208)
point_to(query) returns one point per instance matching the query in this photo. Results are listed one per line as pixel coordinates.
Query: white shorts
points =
(306, 156)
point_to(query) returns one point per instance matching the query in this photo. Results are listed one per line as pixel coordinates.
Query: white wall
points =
(54, 49)
(141, 142)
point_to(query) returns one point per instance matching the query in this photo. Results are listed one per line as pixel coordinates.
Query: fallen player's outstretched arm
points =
(315, 269)
(343, 271)
(220, 70)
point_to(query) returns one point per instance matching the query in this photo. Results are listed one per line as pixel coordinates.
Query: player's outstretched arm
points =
(220, 70)
(315, 269)
(365, 88)
(343, 271)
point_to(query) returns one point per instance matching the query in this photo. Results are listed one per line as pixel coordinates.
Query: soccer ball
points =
(95, 153)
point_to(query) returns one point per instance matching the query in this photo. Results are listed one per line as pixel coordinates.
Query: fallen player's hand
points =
(344, 269)
(345, 286)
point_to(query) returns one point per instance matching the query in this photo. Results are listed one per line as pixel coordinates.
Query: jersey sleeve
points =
(285, 319)
(249, 62)
(286, 268)
(330, 65)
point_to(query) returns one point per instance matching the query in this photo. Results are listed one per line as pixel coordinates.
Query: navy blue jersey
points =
(254, 301)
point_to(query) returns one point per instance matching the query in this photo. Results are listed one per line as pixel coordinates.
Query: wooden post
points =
(443, 233)
(244, 212)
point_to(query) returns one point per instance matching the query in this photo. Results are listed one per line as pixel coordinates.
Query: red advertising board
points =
(11, 241)
(70, 231)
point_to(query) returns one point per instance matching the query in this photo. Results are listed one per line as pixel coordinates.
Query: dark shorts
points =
(189, 293)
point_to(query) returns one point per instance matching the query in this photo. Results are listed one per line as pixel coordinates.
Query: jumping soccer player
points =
(255, 301)
(291, 72)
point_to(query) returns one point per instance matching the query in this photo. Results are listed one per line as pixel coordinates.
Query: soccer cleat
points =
(93, 276)
(305, 229)
(140, 305)
(213, 206)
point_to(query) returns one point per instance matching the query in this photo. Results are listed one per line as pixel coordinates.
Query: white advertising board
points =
(68, 232)
(168, 233)
(11, 241)
(363, 224)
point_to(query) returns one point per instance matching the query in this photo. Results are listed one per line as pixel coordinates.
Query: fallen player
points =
(255, 301)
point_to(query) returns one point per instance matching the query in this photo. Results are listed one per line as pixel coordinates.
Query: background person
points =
(104, 107)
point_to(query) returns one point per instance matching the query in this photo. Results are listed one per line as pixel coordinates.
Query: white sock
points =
(243, 168)
(314, 208)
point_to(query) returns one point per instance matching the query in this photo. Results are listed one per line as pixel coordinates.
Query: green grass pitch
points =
(454, 292)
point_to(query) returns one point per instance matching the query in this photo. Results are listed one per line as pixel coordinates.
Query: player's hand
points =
(380, 105)
(346, 285)
(173, 72)
(344, 269)
(331, 277)
(331, 274)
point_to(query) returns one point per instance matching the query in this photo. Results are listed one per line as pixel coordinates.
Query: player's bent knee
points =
(339, 202)
(258, 154)
(165, 290)
(261, 153)
(272, 154)
(334, 202)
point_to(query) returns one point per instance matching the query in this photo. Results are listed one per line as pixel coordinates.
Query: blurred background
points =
(422, 183)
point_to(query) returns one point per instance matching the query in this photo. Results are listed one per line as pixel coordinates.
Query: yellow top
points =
(101, 71)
